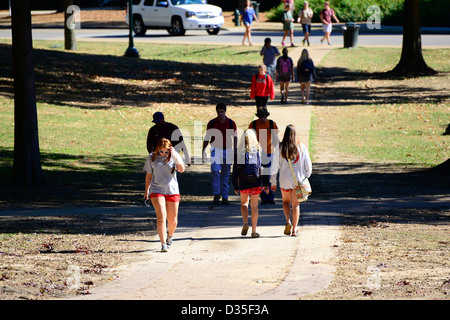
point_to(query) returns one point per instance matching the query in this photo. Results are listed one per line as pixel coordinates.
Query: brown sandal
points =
(244, 230)
(287, 229)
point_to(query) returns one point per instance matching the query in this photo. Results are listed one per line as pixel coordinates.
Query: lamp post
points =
(131, 51)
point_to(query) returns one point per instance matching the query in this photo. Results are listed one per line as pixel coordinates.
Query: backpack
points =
(250, 170)
(285, 67)
(306, 68)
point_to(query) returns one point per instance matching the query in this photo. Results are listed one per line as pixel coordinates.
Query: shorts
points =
(327, 27)
(286, 190)
(306, 28)
(169, 197)
(252, 191)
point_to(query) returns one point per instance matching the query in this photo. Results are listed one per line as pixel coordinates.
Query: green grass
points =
(403, 133)
(70, 130)
(408, 126)
(364, 59)
(210, 54)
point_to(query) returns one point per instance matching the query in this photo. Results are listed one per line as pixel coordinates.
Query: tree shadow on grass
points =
(117, 180)
(362, 180)
(105, 81)
(332, 89)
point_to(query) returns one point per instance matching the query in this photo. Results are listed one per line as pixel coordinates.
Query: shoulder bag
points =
(302, 188)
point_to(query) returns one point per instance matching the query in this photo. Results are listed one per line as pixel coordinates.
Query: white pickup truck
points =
(176, 16)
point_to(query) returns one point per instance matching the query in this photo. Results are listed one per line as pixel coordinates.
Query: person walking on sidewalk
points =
(325, 16)
(248, 14)
(221, 134)
(285, 74)
(262, 87)
(247, 178)
(304, 17)
(161, 187)
(288, 24)
(306, 72)
(270, 54)
(291, 148)
(164, 129)
(267, 135)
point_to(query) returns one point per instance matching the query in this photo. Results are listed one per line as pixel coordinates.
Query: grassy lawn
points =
(94, 103)
(383, 119)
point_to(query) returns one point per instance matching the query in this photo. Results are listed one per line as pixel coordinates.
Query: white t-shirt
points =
(164, 179)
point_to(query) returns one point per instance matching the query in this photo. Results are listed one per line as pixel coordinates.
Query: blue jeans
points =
(220, 171)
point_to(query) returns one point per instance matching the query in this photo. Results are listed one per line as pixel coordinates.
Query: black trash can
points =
(256, 7)
(350, 35)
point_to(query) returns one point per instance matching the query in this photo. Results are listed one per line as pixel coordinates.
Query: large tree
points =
(27, 170)
(70, 42)
(411, 61)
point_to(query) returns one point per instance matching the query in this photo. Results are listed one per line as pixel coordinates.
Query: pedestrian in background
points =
(221, 134)
(248, 14)
(270, 54)
(288, 24)
(164, 129)
(304, 17)
(161, 187)
(325, 16)
(285, 74)
(306, 72)
(262, 87)
(267, 135)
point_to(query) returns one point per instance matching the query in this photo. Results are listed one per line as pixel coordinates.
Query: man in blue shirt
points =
(270, 54)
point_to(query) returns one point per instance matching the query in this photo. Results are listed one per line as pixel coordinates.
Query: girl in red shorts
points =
(246, 184)
(161, 186)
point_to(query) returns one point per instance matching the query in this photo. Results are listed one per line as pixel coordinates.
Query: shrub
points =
(432, 12)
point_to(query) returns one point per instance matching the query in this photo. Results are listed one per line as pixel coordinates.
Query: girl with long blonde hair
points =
(248, 152)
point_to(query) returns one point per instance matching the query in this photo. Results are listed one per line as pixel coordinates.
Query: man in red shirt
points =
(325, 15)
(262, 87)
(221, 133)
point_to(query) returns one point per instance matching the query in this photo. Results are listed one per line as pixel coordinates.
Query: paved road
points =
(230, 36)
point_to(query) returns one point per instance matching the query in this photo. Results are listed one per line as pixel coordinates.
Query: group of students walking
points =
(305, 15)
(281, 70)
(257, 158)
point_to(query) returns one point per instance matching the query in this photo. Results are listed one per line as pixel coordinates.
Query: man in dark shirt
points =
(163, 129)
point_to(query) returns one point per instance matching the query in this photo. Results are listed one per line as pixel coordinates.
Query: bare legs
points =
(305, 90)
(165, 211)
(289, 199)
(247, 34)
(284, 90)
(254, 207)
(326, 37)
(291, 36)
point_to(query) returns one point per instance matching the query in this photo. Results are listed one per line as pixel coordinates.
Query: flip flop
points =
(287, 229)
(244, 230)
(255, 235)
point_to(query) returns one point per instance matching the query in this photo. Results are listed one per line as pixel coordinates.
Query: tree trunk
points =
(70, 42)
(27, 171)
(411, 61)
